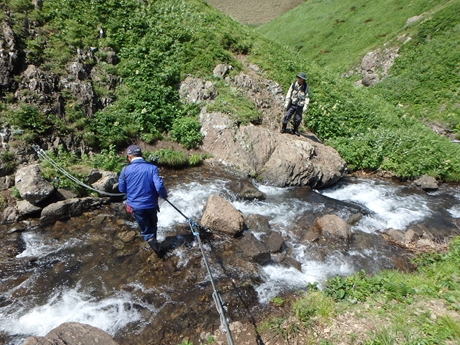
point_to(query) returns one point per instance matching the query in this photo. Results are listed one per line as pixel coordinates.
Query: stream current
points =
(78, 270)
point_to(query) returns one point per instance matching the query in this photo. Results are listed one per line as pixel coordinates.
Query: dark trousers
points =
(296, 111)
(147, 220)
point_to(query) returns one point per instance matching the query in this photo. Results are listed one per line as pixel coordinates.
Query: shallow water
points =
(71, 271)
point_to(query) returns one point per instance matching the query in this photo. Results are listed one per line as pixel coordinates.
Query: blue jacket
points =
(142, 185)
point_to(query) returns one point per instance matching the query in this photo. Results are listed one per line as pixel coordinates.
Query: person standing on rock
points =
(296, 102)
(143, 185)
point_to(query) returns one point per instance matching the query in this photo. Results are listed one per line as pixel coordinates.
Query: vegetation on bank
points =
(385, 126)
(390, 307)
(159, 43)
(108, 160)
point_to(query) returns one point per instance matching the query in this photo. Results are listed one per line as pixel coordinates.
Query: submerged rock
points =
(73, 333)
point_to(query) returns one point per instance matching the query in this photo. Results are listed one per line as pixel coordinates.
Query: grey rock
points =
(274, 241)
(220, 216)
(257, 223)
(26, 208)
(68, 208)
(254, 249)
(427, 183)
(244, 189)
(221, 70)
(31, 186)
(195, 90)
(106, 182)
(277, 159)
(73, 333)
(11, 215)
(334, 226)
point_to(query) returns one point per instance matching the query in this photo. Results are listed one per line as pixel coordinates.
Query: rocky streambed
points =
(94, 268)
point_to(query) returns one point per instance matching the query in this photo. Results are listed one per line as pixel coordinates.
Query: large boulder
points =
(257, 223)
(73, 333)
(195, 90)
(333, 226)
(31, 186)
(106, 182)
(277, 159)
(220, 216)
(68, 208)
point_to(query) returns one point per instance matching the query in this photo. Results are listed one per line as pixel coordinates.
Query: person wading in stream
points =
(142, 184)
(296, 102)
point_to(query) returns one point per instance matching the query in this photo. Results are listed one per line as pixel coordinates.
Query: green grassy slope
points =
(159, 43)
(336, 33)
(381, 127)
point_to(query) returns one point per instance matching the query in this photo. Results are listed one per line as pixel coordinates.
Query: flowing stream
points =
(69, 271)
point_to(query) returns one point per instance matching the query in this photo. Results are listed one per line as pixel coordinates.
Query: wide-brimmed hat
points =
(133, 150)
(301, 75)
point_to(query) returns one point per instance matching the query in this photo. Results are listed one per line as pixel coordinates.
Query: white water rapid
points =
(113, 309)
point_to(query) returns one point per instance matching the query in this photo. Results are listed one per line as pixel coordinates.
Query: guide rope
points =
(44, 156)
(221, 309)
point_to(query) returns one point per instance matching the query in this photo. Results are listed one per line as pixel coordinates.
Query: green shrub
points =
(186, 130)
(313, 304)
(29, 118)
(171, 158)
(107, 160)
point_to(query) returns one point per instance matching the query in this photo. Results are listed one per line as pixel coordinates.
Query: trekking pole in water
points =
(215, 295)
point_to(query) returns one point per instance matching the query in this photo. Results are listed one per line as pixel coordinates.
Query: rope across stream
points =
(194, 228)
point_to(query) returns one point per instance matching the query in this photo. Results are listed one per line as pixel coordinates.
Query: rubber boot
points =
(296, 130)
(154, 244)
(283, 128)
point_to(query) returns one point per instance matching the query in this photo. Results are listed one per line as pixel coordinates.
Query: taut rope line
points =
(43, 155)
(215, 295)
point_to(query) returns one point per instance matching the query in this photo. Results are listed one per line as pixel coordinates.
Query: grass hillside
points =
(385, 126)
(159, 43)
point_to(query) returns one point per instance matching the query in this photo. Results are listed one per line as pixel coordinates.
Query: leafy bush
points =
(186, 130)
(195, 159)
(29, 118)
(107, 160)
(15, 193)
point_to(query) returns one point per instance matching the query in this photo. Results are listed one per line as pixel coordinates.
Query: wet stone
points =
(127, 236)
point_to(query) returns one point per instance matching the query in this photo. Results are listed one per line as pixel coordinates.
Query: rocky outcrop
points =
(9, 55)
(276, 159)
(73, 333)
(374, 66)
(195, 90)
(106, 182)
(40, 198)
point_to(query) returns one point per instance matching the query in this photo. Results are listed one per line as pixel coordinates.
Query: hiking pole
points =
(221, 309)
